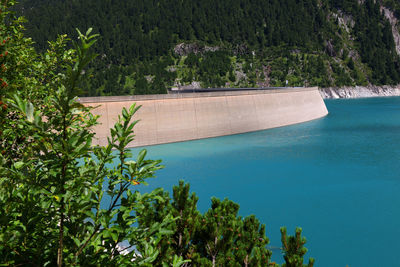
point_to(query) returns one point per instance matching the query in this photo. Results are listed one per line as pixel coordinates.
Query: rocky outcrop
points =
(345, 21)
(394, 23)
(359, 91)
(192, 85)
(184, 49)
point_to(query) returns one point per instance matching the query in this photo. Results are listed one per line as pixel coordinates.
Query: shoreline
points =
(359, 91)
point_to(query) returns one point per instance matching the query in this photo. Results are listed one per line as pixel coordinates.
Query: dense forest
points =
(149, 46)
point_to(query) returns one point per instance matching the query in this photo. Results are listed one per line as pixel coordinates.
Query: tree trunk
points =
(61, 237)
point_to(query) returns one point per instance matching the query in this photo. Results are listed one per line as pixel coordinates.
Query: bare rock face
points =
(193, 85)
(330, 49)
(394, 23)
(359, 91)
(184, 49)
(345, 21)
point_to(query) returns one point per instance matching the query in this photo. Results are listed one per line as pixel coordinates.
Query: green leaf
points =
(18, 165)
(89, 31)
(106, 233)
(114, 236)
(29, 112)
(125, 113)
(166, 232)
(141, 156)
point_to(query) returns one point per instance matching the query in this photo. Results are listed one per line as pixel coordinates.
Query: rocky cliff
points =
(359, 91)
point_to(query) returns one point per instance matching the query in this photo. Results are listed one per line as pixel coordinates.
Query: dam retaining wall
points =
(181, 117)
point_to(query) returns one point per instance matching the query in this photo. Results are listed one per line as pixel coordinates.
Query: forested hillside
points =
(149, 46)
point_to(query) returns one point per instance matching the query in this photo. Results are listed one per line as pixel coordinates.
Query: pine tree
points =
(141, 86)
(252, 243)
(184, 207)
(217, 232)
(293, 249)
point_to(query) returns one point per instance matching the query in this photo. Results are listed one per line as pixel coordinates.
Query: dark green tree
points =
(251, 243)
(217, 231)
(141, 86)
(184, 207)
(219, 237)
(293, 249)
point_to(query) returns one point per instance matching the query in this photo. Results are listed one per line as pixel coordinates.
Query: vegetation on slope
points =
(149, 46)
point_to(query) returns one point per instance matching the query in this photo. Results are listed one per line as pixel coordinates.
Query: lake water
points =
(337, 177)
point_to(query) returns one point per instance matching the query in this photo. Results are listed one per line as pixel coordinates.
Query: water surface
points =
(337, 177)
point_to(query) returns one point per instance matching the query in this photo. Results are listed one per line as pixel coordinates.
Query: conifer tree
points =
(252, 243)
(293, 249)
(184, 207)
(219, 237)
(217, 231)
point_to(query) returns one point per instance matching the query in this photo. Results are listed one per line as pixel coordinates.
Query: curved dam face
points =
(189, 116)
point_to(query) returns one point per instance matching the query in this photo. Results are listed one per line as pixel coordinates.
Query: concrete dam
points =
(182, 117)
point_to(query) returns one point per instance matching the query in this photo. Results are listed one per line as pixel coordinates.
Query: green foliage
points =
(294, 250)
(341, 76)
(219, 237)
(213, 68)
(192, 60)
(376, 45)
(53, 181)
(22, 70)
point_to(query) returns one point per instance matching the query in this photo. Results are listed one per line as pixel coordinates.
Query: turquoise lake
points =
(337, 177)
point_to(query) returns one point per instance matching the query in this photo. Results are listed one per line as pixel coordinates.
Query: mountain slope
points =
(148, 46)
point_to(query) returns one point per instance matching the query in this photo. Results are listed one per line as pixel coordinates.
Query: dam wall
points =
(181, 117)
